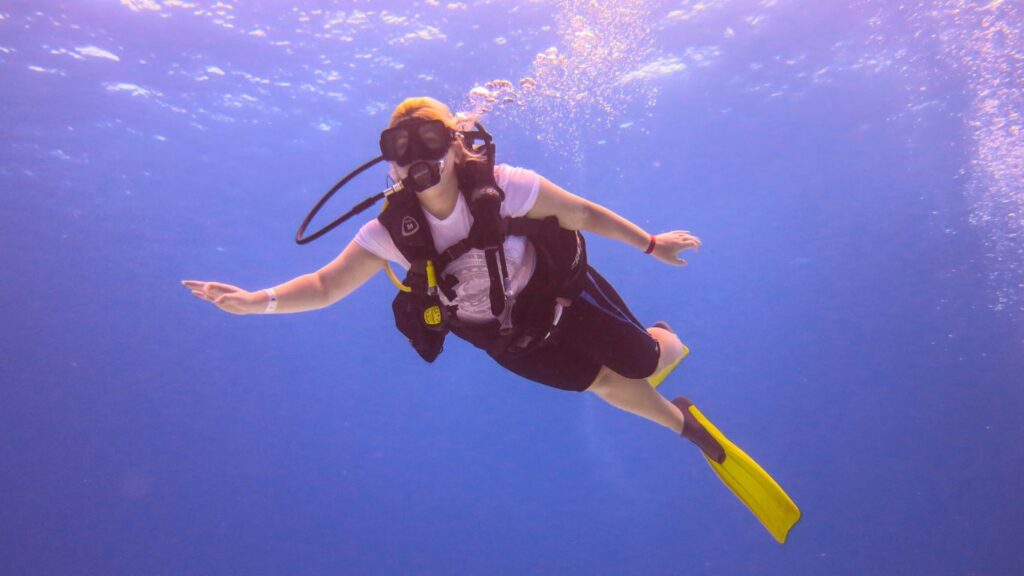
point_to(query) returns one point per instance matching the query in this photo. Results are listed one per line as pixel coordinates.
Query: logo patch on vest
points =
(410, 226)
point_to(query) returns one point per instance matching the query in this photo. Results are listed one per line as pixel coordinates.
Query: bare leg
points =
(637, 396)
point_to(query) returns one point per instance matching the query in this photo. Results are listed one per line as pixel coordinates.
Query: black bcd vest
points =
(425, 320)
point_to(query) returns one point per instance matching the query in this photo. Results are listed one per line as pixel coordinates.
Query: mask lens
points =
(434, 138)
(394, 144)
(401, 143)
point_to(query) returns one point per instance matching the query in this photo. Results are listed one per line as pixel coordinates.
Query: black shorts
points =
(597, 330)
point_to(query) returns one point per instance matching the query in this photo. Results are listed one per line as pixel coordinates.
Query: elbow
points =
(327, 295)
(582, 216)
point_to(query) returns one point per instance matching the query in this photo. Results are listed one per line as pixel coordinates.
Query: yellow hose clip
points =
(431, 278)
(432, 315)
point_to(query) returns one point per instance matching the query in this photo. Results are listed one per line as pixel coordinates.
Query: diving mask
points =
(416, 139)
(409, 142)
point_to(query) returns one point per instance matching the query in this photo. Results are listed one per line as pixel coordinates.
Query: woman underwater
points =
(583, 337)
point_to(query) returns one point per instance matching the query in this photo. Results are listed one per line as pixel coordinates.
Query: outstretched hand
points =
(669, 244)
(224, 296)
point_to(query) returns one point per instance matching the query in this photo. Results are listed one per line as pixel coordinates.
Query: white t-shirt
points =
(521, 187)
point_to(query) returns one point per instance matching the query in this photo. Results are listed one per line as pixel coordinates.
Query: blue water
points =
(856, 313)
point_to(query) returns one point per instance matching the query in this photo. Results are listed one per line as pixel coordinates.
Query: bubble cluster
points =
(585, 81)
(985, 43)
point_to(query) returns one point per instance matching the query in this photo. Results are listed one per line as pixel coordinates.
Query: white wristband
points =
(272, 302)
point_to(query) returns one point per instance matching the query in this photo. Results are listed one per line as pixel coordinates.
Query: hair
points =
(427, 108)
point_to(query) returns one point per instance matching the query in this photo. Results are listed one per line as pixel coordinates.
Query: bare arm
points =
(350, 270)
(576, 213)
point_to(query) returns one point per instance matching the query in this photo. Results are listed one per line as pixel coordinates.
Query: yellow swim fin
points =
(751, 484)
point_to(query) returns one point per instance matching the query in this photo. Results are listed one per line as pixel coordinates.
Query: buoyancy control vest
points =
(425, 320)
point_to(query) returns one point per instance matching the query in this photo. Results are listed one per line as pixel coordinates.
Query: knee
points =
(670, 344)
(600, 384)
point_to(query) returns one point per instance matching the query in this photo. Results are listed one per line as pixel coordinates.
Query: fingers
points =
(205, 296)
(199, 285)
(670, 244)
(210, 289)
(199, 289)
(673, 260)
(690, 239)
(217, 289)
(682, 239)
(206, 288)
(226, 302)
(202, 290)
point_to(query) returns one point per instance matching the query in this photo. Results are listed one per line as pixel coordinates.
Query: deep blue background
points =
(840, 313)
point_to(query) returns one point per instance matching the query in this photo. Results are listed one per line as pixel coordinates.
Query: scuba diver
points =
(495, 255)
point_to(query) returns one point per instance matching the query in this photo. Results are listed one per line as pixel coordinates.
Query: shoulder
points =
(508, 175)
(521, 186)
(372, 227)
(375, 238)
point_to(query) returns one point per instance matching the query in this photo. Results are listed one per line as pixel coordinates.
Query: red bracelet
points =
(650, 248)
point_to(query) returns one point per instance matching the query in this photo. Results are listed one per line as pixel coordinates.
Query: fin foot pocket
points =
(698, 434)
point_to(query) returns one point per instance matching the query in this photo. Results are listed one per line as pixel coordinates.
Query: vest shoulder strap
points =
(404, 220)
